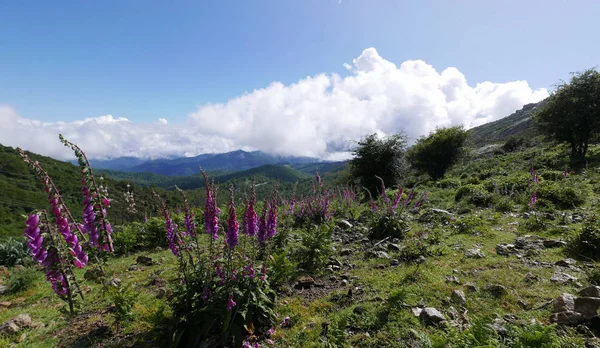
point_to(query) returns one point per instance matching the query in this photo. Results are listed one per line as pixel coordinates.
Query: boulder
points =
(567, 318)
(566, 263)
(305, 282)
(458, 297)
(16, 324)
(554, 243)
(505, 249)
(564, 302)
(431, 315)
(496, 290)
(590, 291)
(588, 306)
(144, 260)
(345, 224)
(474, 253)
(562, 278)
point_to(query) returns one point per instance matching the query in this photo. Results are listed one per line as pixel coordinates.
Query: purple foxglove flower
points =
(261, 235)
(272, 221)
(396, 200)
(230, 303)
(533, 199)
(249, 271)
(318, 178)
(206, 294)
(233, 227)
(409, 198)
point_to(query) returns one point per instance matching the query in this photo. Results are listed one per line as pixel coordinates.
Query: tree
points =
(436, 153)
(572, 113)
(383, 157)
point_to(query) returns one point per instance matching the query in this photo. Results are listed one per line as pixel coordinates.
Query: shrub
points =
(315, 247)
(535, 223)
(436, 153)
(563, 196)
(467, 224)
(587, 243)
(14, 252)
(282, 270)
(513, 144)
(22, 280)
(504, 205)
(449, 183)
(474, 194)
(123, 298)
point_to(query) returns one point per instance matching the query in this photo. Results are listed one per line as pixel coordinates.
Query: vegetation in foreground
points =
(477, 257)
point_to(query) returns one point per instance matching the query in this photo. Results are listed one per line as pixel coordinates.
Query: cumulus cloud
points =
(321, 115)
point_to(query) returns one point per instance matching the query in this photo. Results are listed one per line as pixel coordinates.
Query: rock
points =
(531, 278)
(523, 304)
(496, 290)
(333, 278)
(393, 247)
(345, 276)
(380, 266)
(590, 291)
(431, 315)
(135, 268)
(16, 324)
(379, 254)
(562, 278)
(564, 302)
(567, 318)
(335, 268)
(420, 260)
(458, 297)
(346, 252)
(394, 262)
(4, 271)
(4, 289)
(529, 243)
(114, 282)
(305, 282)
(588, 306)
(334, 262)
(5, 304)
(505, 249)
(144, 260)
(470, 287)
(416, 311)
(566, 263)
(498, 326)
(432, 213)
(452, 279)
(345, 224)
(554, 243)
(474, 253)
(345, 282)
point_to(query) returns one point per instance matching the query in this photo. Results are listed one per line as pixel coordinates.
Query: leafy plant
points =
(315, 247)
(22, 280)
(123, 298)
(13, 252)
(282, 270)
(587, 243)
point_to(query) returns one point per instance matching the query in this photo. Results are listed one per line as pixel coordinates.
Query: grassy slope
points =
(384, 296)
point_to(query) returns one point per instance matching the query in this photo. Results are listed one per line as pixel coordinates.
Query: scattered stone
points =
(529, 243)
(345, 276)
(16, 324)
(505, 249)
(566, 263)
(114, 282)
(334, 262)
(496, 290)
(564, 302)
(333, 278)
(590, 291)
(305, 282)
(345, 282)
(380, 266)
(4, 271)
(470, 287)
(335, 268)
(393, 247)
(133, 268)
(5, 304)
(458, 297)
(431, 315)
(394, 262)
(588, 306)
(474, 253)
(346, 252)
(416, 311)
(4, 289)
(452, 279)
(523, 304)
(554, 243)
(562, 278)
(345, 224)
(420, 260)
(498, 326)
(433, 213)
(378, 254)
(144, 260)
(531, 278)
(567, 318)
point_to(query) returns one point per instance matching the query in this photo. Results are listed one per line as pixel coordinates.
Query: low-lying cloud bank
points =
(318, 116)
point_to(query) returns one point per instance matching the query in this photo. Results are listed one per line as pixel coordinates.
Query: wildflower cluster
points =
(223, 278)
(533, 181)
(316, 208)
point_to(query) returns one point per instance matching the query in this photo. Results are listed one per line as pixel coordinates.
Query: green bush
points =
(22, 280)
(505, 185)
(282, 270)
(14, 252)
(561, 195)
(388, 225)
(449, 183)
(513, 143)
(504, 205)
(587, 243)
(467, 224)
(474, 194)
(315, 247)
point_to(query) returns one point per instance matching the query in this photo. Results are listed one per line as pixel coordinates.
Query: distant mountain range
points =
(230, 161)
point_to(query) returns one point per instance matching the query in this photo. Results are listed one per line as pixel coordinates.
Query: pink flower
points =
(230, 303)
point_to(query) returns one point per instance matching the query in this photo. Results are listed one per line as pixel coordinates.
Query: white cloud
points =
(320, 115)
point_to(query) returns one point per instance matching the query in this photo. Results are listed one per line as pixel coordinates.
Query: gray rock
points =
(566, 263)
(505, 249)
(590, 291)
(529, 243)
(334, 262)
(416, 311)
(345, 224)
(420, 260)
(305, 282)
(379, 254)
(144, 260)
(4, 289)
(458, 297)
(470, 287)
(16, 324)
(554, 243)
(394, 262)
(431, 315)
(114, 282)
(380, 266)
(564, 302)
(496, 290)
(474, 253)
(562, 278)
(393, 247)
(567, 318)
(452, 279)
(588, 306)
(346, 252)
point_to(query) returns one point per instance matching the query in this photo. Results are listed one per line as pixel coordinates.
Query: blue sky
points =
(146, 60)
